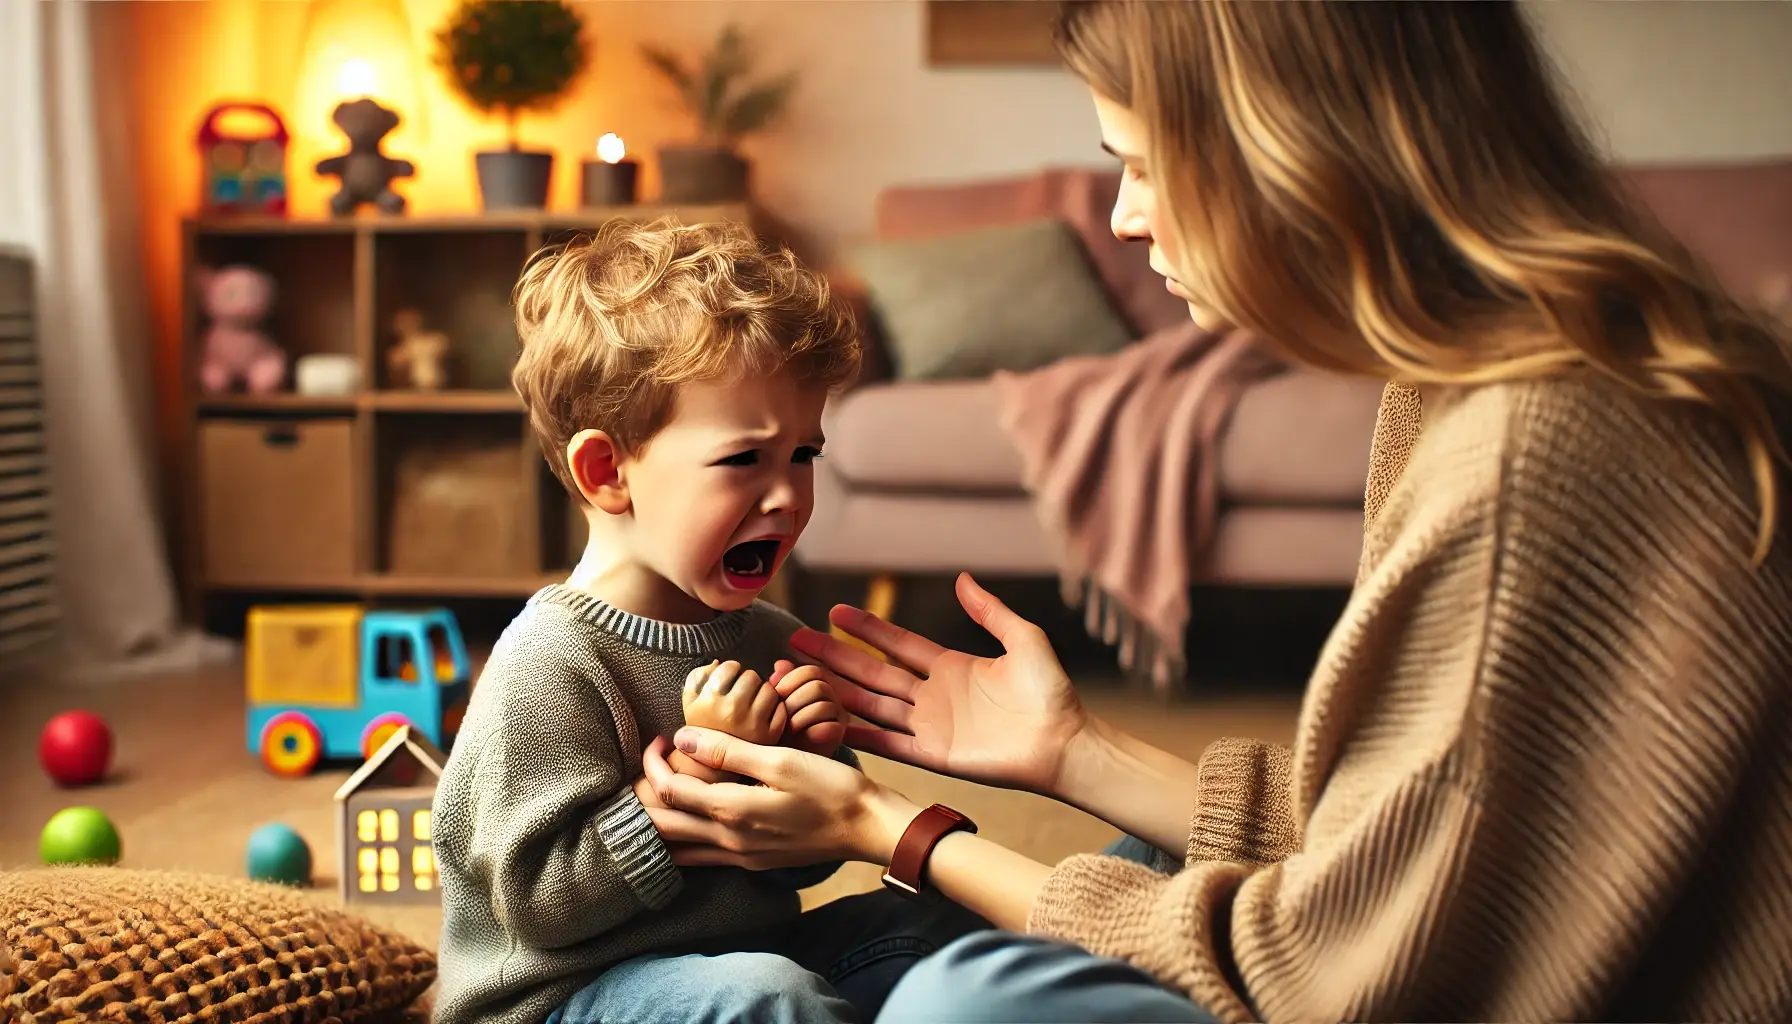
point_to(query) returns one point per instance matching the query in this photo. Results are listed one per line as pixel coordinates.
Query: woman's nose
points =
(1128, 220)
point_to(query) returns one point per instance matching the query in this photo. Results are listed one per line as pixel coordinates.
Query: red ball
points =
(75, 748)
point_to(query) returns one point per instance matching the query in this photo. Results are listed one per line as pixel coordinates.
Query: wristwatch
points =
(909, 862)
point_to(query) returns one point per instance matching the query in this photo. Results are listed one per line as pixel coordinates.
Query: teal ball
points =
(79, 835)
(278, 854)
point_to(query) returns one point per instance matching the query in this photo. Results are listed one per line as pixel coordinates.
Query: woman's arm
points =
(1016, 722)
(1130, 784)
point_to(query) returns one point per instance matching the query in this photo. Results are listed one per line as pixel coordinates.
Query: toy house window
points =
(367, 826)
(420, 825)
(423, 867)
(388, 869)
(367, 866)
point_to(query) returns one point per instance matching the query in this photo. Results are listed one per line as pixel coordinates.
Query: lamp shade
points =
(356, 48)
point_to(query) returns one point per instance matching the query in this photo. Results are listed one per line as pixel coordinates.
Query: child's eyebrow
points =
(748, 440)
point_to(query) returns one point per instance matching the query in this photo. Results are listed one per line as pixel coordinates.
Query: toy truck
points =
(334, 682)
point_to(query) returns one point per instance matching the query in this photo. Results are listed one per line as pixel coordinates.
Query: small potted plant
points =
(726, 107)
(508, 56)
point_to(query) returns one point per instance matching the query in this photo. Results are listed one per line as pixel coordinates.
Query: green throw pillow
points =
(1014, 297)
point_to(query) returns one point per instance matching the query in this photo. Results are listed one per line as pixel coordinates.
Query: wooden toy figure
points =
(419, 356)
(366, 173)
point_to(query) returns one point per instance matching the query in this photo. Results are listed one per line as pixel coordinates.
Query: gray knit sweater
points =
(551, 870)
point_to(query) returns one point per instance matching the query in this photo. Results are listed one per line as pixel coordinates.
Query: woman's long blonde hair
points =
(1396, 189)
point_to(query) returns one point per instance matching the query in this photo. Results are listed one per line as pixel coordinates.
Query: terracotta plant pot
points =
(702, 174)
(514, 179)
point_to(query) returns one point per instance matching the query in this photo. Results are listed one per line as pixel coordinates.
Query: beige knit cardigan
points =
(1544, 766)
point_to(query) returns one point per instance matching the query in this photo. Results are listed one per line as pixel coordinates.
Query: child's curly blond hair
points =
(611, 326)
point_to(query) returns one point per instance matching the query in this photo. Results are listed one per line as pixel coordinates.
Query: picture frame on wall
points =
(990, 33)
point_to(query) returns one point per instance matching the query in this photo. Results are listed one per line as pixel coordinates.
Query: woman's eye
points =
(1135, 173)
(746, 458)
(807, 453)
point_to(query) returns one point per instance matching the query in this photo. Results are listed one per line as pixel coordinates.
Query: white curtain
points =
(119, 614)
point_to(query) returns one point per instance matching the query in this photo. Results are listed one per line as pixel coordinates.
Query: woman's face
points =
(1137, 212)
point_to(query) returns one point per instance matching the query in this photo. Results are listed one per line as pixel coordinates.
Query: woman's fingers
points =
(874, 707)
(676, 826)
(903, 645)
(897, 746)
(774, 766)
(853, 664)
(1009, 629)
(709, 857)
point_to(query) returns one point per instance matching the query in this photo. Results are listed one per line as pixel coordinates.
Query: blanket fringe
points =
(1140, 649)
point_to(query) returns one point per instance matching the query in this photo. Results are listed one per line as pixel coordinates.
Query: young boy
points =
(675, 377)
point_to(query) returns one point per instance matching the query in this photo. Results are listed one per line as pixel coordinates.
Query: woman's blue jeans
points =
(878, 957)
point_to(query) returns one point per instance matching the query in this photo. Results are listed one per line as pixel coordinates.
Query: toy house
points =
(383, 823)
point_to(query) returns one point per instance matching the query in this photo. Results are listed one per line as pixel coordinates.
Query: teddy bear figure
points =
(235, 349)
(365, 172)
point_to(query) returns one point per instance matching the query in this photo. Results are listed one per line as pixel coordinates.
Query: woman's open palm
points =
(1004, 721)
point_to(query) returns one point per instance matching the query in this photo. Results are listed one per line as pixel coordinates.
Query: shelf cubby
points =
(460, 281)
(385, 469)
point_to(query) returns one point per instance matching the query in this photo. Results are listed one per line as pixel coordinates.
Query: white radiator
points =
(27, 599)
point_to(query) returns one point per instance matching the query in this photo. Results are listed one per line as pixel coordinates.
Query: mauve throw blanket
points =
(1118, 455)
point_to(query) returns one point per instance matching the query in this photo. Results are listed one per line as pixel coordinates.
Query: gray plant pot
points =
(514, 179)
(702, 174)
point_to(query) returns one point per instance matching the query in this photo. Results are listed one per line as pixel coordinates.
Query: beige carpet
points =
(185, 793)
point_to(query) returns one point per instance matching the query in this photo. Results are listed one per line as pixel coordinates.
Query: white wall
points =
(867, 112)
(1662, 80)
(1677, 80)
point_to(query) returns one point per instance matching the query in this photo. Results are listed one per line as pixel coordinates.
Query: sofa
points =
(919, 478)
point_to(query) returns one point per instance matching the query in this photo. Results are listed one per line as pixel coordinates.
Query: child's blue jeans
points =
(841, 964)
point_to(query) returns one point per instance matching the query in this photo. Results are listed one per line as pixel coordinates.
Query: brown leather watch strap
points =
(909, 863)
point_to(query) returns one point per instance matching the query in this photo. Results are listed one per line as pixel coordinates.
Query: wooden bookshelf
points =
(355, 497)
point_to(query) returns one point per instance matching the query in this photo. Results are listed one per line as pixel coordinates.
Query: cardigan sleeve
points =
(1265, 923)
(1244, 807)
(1535, 755)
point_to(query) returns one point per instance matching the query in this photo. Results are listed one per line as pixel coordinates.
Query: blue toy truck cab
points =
(402, 653)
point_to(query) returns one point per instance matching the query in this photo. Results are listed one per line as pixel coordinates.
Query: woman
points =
(1544, 765)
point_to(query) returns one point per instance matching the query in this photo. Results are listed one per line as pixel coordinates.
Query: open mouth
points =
(749, 564)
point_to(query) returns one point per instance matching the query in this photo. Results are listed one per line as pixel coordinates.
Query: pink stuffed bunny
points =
(235, 298)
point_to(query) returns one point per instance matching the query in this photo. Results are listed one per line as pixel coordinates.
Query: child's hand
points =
(726, 699)
(817, 721)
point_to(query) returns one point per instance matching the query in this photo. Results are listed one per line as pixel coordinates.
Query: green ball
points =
(79, 835)
(278, 854)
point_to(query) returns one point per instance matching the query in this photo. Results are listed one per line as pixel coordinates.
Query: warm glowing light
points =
(610, 148)
(356, 78)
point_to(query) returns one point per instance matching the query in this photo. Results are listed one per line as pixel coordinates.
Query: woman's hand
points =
(1006, 721)
(810, 808)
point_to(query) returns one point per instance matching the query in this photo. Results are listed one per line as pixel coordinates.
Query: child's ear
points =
(595, 463)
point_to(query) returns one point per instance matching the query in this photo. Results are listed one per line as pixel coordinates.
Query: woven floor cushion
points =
(105, 944)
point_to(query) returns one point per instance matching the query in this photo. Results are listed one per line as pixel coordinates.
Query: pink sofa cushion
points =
(1736, 217)
(1083, 197)
(921, 435)
(1298, 439)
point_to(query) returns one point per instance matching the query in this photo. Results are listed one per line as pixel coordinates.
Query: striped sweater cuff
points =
(640, 856)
